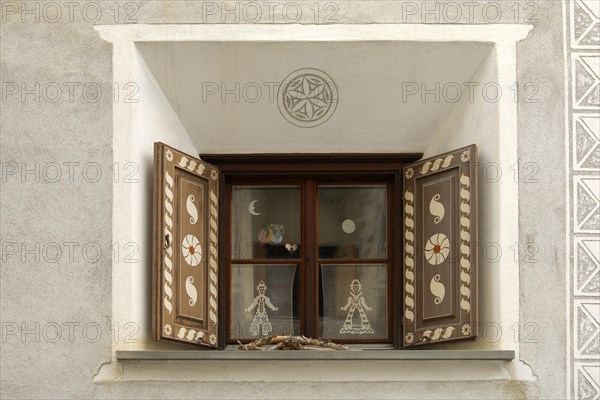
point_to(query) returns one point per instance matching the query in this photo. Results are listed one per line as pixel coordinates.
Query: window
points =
(356, 248)
(299, 247)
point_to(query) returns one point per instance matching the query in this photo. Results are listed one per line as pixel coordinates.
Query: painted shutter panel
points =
(185, 265)
(440, 258)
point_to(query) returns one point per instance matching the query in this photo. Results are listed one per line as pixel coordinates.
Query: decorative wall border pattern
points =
(582, 116)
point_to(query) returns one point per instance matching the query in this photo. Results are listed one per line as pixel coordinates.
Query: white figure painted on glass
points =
(356, 325)
(261, 318)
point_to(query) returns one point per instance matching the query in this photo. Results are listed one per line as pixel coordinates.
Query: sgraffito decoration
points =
(307, 97)
(582, 116)
(440, 262)
(185, 248)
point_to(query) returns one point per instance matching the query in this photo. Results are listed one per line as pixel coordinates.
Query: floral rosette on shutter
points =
(440, 262)
(185, 248)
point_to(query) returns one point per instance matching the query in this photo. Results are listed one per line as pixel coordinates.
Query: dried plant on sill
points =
(291, 343)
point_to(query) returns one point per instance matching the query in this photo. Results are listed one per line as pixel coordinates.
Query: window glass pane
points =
(265, 222)
(265, 300)
(352, 222)
(353, 301)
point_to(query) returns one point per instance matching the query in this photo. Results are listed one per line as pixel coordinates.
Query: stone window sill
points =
(362, 354)
(355, 365)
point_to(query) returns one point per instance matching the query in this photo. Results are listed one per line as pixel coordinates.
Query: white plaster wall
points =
(152, 120)
(490, 122)
(418, 125)
(371, 77)
(478, 122)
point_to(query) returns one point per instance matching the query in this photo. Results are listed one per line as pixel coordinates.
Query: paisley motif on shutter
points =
(185, 265)
(440, 258)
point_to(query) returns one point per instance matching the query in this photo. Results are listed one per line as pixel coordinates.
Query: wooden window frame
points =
(259, 168)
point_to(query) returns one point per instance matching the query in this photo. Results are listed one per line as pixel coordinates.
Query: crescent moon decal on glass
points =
(252, 208)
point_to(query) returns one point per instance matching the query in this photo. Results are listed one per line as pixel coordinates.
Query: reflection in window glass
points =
(266, 222)
(352, 222)
(353, 301)
(265, 300)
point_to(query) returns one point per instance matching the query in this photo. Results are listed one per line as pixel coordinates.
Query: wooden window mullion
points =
(311, 290)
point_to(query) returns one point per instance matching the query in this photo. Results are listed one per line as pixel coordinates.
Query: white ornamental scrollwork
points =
(191, 165)
(436, 208)
(191, 209)
(212, 257)
(465, 156)
(465, 246)
(437, 334)
(190, 334)
(438, 290)
(466, 330)
(437, 249)
(191, 290)
(409, 249)
(440, 163)
(168, 232)
(192, 250)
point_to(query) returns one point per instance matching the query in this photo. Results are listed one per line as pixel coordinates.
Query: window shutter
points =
(185, 248)
(440, 259)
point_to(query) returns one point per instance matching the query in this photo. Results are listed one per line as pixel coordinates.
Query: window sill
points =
(363, 354)
(364, 365)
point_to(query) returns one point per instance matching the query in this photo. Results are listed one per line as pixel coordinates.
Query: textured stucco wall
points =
(43, 290)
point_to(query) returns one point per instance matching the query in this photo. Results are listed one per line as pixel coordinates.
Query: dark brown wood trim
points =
(311, 288)
(391, 234)
(272, 261)
(342, 261)
(285, 164)
(262, 158)
(224, 256)
(157, 241)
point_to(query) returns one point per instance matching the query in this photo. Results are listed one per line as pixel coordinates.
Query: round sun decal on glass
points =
(192, 251)
(437, 249)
